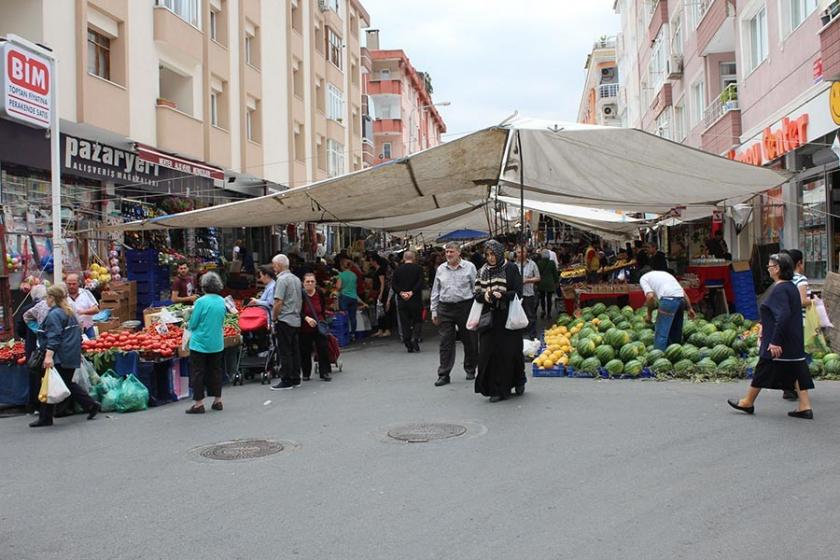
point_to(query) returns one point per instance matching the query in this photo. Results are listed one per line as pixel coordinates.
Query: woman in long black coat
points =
(781, 358)
(501, 366)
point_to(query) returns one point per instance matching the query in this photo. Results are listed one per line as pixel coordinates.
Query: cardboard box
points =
(109, 326)
(740, 266)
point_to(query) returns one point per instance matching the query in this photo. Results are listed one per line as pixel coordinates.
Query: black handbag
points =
(485, 321)
(323, 327)
(36, 360)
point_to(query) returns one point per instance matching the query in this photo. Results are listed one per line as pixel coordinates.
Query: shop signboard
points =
(182, 165)
(26, 81)
(92, 159)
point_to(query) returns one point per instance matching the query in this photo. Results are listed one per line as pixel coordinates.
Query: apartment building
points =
(405, 119)
(599, 102)
(749, 80)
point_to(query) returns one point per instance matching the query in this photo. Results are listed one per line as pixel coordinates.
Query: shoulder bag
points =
(323, 327)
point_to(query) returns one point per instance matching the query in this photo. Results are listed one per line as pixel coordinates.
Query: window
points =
(214, 108)
(297, 17)
(187, 10)
(321, 151)
(795, 12)
(757, 33)
(656, 66)
(698, 101)
(679, 122)
(354, 71)
(252, 120)
(335, 158)
(676, 36)
(728, 74)
(300, 148)
(385, 74)
(319, 37)
(663, 124)
(334, 47)
(695, 10)
(386, 150)
(297, 79)
(249, 123)
(320, 95)
(218, 103)
(214, 25)
(335, 108)
(99, 55)
(250, 52)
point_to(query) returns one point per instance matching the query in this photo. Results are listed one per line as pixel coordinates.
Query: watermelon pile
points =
(618, 342)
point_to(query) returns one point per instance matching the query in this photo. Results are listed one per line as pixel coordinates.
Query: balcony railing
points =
(608, 90)
(605, 43)
(703, 7)
(725, 102)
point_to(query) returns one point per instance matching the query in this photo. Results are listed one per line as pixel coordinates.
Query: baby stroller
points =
(257, 355)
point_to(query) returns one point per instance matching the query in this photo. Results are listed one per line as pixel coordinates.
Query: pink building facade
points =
(749, 80)
(404, 117)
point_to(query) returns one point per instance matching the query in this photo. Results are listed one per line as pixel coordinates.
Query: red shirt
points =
(184, 286)
(306, 311)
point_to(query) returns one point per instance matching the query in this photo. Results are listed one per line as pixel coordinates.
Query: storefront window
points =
(772, 216)
(814, 234)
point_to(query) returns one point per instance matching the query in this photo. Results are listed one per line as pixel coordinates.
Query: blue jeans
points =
(669, 322)
(349, 305)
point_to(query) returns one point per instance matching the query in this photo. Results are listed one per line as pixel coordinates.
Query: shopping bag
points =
(380, 310)
(185, 340)
(822, 313)
(814, 339)
(530, 348)
(516, 319)
(80, 378)
(475, 316)
(53, 390)
(132, 396)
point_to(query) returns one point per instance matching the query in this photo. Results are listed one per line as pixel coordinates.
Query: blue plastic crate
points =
(556, 371)
(141, 257)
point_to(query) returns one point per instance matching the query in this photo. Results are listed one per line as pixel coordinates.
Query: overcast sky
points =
(492, 57)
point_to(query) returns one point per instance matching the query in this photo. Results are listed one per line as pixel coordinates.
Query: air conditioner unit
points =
(322, 5)
(674, 67)
(610, 111)
(608, 75)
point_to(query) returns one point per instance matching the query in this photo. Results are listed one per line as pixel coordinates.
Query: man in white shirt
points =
(83, 303)
(553, 256)
(530, 278)
(660, 286)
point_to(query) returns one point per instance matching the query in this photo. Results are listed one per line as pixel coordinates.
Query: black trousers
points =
(206, 374)
(80, 395)
(288, 352)
(546, 301)
(410, 316)
(308, 341)
(529, 305)
(452, 318)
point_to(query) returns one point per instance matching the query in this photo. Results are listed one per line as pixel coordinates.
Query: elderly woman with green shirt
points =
(207, 344)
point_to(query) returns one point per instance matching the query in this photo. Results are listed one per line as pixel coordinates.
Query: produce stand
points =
(626, 294)
(718, 273)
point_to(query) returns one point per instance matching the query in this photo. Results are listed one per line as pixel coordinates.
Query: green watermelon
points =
(633, 334)
(689, 328)
(634, 368)
(617, 338)
(714, 339)
(737, 318)
(597, 339)
(753, 351)
(629, 352)
(662, 365)
(752, 362)
(624, 326)
(586, 332)
(605, 325)
(691, 352)
(720, 352)
(563, 319)
(832, 366)
(604, 317)
(748, 324)
(698, 339)
(706, 365)
(586, 347)
(613, 309)
(729, 365)
(708, 329)
(628, 312)
(575, 360)
(640, 312)
(647, 337)
(614, 367)
(590, 365)
(683, 367)
(831, 356)
(815, 367)
(587, 316)
(674, 353)
(604, 353)
(598, 308)
(654, 355)
(729, 337)
(738, 346)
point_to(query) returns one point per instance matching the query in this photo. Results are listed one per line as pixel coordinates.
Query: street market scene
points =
(266, 292)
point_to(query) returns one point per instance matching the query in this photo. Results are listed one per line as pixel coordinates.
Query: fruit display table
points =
(634, 298)
(714, 273)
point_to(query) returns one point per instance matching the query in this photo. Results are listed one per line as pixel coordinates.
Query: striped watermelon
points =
(590, 365)
(634, 368)
(683, 367)
(674, 353)
(720, 352)
(662, 365)
(629, 351)
(614, 367)
(605, 353)
(706, 365)
(586, 347)
(691, 352)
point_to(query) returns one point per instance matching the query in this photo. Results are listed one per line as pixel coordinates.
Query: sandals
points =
(195, 409)
(217, 406)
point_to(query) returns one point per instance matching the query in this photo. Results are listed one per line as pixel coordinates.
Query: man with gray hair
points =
(407, 286)
(286, 316)
(452, 297)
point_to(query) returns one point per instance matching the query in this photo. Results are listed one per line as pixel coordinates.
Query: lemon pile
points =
(558, 348)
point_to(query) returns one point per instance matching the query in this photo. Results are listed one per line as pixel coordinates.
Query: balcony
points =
(830, 43)
(608, 91)
(605, 43)
(657, 19)
(716, 30)
(106, 105)
(219, 147)
(393, 87)
(662, 100)
(387, 126)
(177, 36)
(722, 122)
(179, 133)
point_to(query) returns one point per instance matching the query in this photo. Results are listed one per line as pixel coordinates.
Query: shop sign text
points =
(26, 81)
(107, 162)
(774, 144)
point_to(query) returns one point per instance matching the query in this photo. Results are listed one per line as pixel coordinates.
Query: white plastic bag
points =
(530, 348)
(474, 316)
(516, 319)
(57, 391)
(822, 313)
(185, 340)
(81, 377)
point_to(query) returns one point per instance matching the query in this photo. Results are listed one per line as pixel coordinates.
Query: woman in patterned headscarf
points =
(501, 366)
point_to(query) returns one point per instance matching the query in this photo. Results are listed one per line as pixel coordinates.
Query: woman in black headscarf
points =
(501, 366)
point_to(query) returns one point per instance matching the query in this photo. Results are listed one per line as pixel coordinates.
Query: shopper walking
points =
(452, 297)
(781, 357)
(286, 316)
(663, 290)
(61, 336)
(207, 344)
(381, 273)
(501, 365)
(348, 293)
(801, 282)
(311, 337)
(549, 280)
(407, 287)
(530, 278)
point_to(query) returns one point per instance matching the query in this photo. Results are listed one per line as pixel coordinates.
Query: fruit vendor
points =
(663, 290)
(183, 287)
(83, 303)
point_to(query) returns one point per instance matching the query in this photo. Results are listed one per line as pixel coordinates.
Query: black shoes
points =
(805, 414)
(409, 348)
(470, 376)
(284, 386)
(93, 411)
(326, 377)
(416, 345)
(497, 398)
(790, 396)
(195, 410)
(442, 380)
(519, 390)
(217, 406)
(735, 404)
(38, 423)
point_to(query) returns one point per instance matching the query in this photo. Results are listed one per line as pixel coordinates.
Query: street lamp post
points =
(411, 121)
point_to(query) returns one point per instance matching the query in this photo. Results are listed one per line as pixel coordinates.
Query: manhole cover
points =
(241, 449)
(421, 433)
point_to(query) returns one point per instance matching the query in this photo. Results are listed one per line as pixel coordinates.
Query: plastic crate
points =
(148, 256)
(556, 371)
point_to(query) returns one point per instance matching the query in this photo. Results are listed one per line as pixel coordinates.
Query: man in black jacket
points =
(407, 288)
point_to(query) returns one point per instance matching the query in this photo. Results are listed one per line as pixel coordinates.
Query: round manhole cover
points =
(422, 433)
(241, 449)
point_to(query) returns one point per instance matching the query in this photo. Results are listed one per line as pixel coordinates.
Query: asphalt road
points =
(573, 469)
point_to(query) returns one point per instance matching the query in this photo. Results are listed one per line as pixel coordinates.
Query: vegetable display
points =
(13, 353)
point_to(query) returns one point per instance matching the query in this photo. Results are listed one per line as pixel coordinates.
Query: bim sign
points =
(26, 81)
